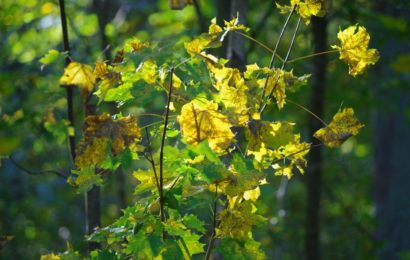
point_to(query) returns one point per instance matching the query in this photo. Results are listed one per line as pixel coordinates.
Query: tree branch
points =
(31, 172)
(161, 153)
(283, 65)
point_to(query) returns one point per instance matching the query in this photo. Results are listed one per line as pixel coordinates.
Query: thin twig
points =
(276, 49)
(259, 43)
(283, 65)
(307, 110)
(312, 55)
(60, 174)
(151, 159)
(161, 153)
(212, 239)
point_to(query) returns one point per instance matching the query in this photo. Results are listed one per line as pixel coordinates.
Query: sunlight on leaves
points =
(343, 126)
(79, 74)
(354, 49)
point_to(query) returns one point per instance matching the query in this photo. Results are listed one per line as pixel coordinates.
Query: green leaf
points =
(103, 255)
(192, 222)
(121, 93)
(240, 250)
(86, 179)
(51, 56)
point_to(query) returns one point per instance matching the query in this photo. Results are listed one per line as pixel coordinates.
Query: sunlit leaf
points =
(201, 121)
(343, 126)
(354, 49)
(79, 74)
(305, 8)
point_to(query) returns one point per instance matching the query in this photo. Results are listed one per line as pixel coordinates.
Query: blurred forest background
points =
(353, 203)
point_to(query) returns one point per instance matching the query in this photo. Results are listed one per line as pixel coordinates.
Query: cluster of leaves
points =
(220, 152)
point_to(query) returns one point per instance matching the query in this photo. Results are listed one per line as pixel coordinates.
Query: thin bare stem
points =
(212, 239)
(312, 55)
(276, 49)
(283, 64)
(161, 153)
(307, 110)
(259, 43)
(155, 123)
(60, 174)
(151, 159)
(150, 114)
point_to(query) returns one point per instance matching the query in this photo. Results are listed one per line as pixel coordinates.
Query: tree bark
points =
(315, 169)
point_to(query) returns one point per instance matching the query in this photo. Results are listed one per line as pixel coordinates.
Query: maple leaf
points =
(233, 93)
(279, 81)
(137, 45)
(264, 137)
(79, 74)
(354, 49)
(293, 155)
(237, 220)
(343, 126)
(201, 120)
(101, 130)
(305, 8)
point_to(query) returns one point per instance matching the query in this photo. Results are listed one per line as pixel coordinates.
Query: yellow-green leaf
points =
(79, 74)
(343, 126)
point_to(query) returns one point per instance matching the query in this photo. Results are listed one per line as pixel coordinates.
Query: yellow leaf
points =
(354, 49)
(293, 155)
(148, 70)
(79, 74)
(343, 126)
(214, 28)
(92, 154)
(233, 92)
(101, 130)
(305, 8)
(137, 45)
(51, 256)
(201, 121)
(252, 194)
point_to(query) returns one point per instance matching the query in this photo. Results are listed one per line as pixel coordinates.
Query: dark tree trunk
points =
(223, 14)
(315, 169)
(93, 214)
(236, 43)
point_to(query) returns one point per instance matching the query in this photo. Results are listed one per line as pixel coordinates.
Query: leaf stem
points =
(312, 55)
(259, 43)
(307, 110)
(161, 153)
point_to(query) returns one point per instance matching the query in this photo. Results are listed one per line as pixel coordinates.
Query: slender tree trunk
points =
(236, 43)
(315, 169)
(223, 13)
